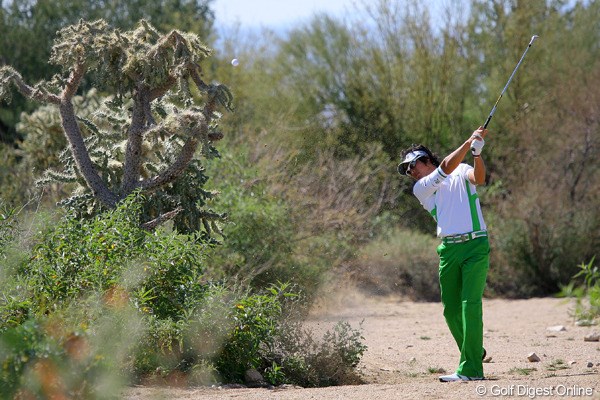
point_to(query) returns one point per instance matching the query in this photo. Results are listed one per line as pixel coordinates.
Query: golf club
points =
(507, 83)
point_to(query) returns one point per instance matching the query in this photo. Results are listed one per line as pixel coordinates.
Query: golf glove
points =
(477, 145)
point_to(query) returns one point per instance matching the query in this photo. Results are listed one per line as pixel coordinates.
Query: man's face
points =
(419, 169)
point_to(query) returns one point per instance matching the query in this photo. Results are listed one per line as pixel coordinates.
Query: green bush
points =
(291, 219)
(268, 336)
(103, 300)
(261, 246)
(585, 288)
(256, 318)
(235, 331)
(112, 253)
(537, 254)
(83, 271)
(18, 346)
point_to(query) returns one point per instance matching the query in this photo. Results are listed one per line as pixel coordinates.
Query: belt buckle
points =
(478, 234)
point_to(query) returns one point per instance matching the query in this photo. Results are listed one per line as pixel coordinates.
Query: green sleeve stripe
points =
(473, 206)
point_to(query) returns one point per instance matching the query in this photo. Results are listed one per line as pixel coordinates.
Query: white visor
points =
(410, 157)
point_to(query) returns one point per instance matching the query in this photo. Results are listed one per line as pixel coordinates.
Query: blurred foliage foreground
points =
(97, 304)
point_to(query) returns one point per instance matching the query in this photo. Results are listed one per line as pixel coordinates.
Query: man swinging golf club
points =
(447, 190)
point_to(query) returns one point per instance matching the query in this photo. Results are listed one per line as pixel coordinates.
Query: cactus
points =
(149, 128)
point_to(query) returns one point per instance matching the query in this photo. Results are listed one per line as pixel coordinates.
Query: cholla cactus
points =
(146, 132)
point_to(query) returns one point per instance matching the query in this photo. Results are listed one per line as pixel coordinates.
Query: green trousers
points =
(463, 272)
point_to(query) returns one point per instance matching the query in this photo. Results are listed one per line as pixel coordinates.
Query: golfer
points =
(447, 190)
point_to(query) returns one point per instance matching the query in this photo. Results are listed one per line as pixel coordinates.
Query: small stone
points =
(590, 364)
(592, 337)
(532, 357)
(412, 360)
(572, 362)
(487, 360)
(557, 328)
(254, 379)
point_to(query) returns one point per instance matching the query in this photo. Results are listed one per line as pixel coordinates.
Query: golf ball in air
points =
(235, 62)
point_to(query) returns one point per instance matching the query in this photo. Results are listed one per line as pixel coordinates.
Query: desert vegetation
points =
(166, 217)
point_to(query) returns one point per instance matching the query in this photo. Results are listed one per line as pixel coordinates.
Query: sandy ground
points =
(408, 343)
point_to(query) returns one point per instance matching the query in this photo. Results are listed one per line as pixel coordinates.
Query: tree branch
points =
(81, 155)
(133, 152)
(150, 225)
(215, 93)
(211, 103)
(178, 166)
(73, 82)
(78, 149)
(30, 92)
(175, 41)
(161, 90)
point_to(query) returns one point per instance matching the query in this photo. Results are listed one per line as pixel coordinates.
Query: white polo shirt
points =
(452, 201)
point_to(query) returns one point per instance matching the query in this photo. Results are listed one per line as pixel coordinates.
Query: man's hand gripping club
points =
(477, 143)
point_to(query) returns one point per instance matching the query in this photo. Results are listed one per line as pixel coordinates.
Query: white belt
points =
(464, 237)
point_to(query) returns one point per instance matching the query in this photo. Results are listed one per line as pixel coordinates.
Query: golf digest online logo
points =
(532, 392)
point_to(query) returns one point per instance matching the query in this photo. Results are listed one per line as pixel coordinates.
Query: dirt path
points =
(409, 342)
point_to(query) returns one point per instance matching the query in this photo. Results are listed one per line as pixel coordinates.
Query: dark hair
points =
(431, 156)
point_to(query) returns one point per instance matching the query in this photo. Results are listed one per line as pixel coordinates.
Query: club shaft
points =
(489, 118)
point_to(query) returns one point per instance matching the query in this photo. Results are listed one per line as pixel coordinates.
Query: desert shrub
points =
(294, 219)
(82, 272)
(78, 257)
(16, 184)
(236, 330)
(399, 262)
(180, 349)
(256, 318)
(537, 245)
(585, 288)
(304, 360)
(547, 214)
(261, 244)
(269, 335)
(17, 346)
(103, 300)
(508, 275)
(259, 238)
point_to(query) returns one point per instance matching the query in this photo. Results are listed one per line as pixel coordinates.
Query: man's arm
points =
(427, 186)
(453, 160)
(477, 174)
